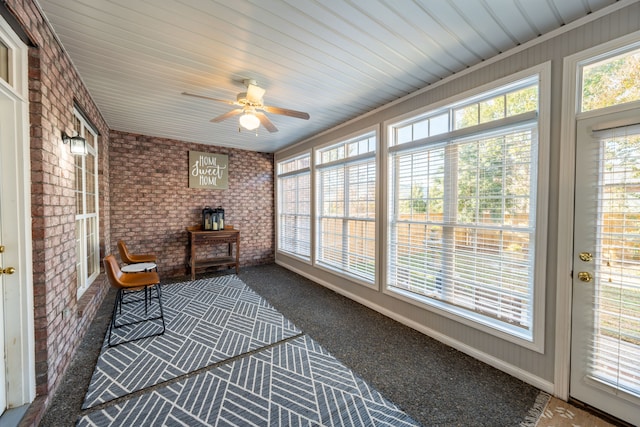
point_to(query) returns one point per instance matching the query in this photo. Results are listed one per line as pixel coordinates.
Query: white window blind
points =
(346, 176)
(462, 211)
(616, 304)
(294, 207)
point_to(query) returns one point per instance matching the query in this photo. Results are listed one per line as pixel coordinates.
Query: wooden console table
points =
(199, 238)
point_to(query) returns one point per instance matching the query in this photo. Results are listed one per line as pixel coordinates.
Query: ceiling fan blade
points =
(286, 112)
(266, 122)
(226, 101)
(255, 93)
(226, 115)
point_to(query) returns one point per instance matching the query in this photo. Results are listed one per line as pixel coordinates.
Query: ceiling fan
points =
(249, 104)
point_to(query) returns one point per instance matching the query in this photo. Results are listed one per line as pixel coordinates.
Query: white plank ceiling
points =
(335, 59)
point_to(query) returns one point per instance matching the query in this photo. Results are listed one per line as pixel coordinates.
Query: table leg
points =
(193, 258)
(237, 254)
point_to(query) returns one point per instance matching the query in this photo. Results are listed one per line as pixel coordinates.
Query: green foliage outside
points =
(611, 82)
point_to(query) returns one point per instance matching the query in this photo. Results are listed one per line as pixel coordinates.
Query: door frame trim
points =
(566, 194)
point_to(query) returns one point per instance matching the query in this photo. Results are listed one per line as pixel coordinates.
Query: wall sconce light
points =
(77, 144)
(249, 121)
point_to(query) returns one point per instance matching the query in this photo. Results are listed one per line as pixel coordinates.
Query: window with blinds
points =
(462, 208)
(294, 206)
(346, 205)
(87, 219)
(616, 305)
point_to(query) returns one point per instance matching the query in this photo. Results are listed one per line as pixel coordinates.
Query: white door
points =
(17, 334)
(605, 349)
(8, 238)
(6, 175)
(3, 377)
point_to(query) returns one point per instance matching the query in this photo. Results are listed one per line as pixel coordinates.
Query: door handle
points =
(585, 276)
(8, 270)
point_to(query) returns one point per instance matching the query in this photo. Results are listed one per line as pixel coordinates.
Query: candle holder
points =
(208, 218)
(219, 212)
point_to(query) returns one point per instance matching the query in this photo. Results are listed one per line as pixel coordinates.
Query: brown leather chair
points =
(129, 258)
(127, 283)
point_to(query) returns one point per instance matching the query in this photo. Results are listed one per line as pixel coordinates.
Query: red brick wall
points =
(60, 320)
(151, 202)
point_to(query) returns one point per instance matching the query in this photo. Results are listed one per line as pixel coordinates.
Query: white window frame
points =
(535, 338)
(580, 65)
(319, 166)
(83, 264)
(281, 176)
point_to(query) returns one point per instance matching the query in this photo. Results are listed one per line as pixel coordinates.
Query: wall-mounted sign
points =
(207, 170)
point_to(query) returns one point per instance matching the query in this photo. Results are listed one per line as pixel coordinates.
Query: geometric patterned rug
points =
(207, 321)
(295, 383)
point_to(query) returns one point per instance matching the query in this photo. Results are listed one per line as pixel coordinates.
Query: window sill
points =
(92, 297)
(468, 318)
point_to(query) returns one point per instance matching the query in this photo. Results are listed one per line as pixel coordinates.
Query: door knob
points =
(8, 270)
(585, 276)
(586, 256)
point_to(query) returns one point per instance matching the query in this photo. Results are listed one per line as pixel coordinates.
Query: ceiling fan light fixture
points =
(249, 121)
(251, 109)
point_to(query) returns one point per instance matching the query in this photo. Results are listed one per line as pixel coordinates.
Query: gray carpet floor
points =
(436, 385)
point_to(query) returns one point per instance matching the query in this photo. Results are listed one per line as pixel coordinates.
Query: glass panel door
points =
(605, 372)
